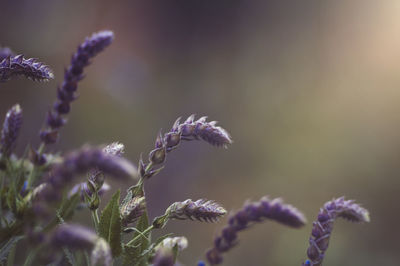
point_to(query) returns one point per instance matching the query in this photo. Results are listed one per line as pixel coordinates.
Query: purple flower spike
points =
(5, 52)
(323, 226)
(66, 94)
(80, 162)
(30, 68)
(83, 189)
(253, 212)
(201, 129)
(189, 130)
(10, 131)
(201, 210)
(74, 237)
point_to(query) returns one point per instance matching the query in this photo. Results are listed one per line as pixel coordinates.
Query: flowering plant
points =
(40, 191)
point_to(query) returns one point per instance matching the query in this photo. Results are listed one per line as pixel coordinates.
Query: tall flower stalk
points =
(250, 214)
(11, 127)
(66, 93)
(323, 226)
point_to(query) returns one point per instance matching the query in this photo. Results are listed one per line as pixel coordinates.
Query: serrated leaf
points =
(68, 206)
(5, 250)
(110, 225)
(155, 244)
(134, 255)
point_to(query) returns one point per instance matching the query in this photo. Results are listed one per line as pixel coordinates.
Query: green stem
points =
(95, 219)
(32, 175)
(142, 234)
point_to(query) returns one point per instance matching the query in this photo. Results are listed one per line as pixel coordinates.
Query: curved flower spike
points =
(80, 162)
(10, 131)
(251, 213)
(73, 74)
(201, 210)
(30, 68)
(323, 226)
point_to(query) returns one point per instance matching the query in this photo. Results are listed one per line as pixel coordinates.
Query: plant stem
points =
(32, 175)
(95, 219)
(142, 234)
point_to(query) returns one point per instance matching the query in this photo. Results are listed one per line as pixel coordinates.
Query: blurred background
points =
(309, 91)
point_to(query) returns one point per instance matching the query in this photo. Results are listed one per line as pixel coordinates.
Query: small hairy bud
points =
(11, 126)
(30, 68)
(170, 242)
(323, 226)
(132, 210)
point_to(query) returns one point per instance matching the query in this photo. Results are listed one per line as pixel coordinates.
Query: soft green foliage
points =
(110, 224)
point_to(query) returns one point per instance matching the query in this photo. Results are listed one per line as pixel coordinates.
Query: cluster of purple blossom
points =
(44, 193)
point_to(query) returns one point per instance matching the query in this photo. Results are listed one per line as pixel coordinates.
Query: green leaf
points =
(110, 225)
(134, 255)
(175, 251)
(68, 206)
(5, 250)
(155, 244)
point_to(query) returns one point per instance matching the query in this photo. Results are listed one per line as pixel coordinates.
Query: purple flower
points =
(74, 237)
(201, 210)
(201, 129)
(84, 189)
(5, 52)
(251, 213)
(80, 162)
(189, 130)
(30, 68)
(323, 226)
(73, 74)
(10, 131)
(77, 237)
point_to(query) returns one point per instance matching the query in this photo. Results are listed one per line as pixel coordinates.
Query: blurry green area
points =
(309, 91)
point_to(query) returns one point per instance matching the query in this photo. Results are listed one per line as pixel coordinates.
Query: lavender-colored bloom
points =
(201, 129)
(83, 160)
(84, 190)
(251, 213)
(201, 210)
(11, 126)
(5, 52)
(73, 74)
(189, 130)
(74, 237)
(132, 209)
(323, 226)
(30, 68)
(164, 257)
